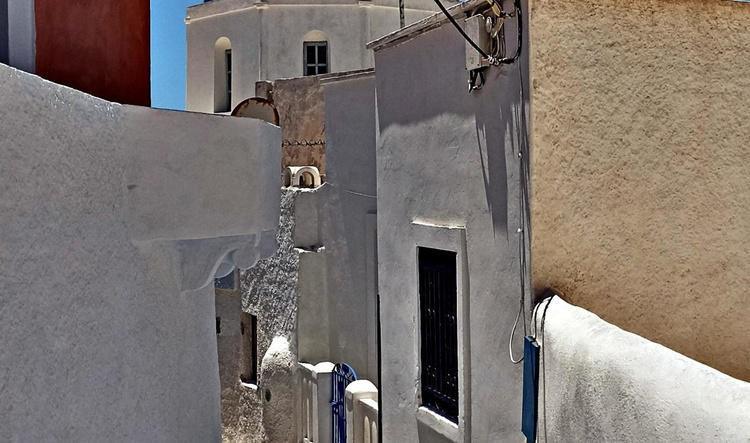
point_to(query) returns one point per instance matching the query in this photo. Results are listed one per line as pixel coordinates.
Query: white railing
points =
(361, 412)
(314, 410)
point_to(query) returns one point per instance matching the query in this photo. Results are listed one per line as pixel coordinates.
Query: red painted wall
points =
(101, 47)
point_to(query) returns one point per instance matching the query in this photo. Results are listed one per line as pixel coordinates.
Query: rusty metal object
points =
(256, 107)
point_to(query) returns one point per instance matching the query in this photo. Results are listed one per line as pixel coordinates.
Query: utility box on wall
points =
(477, 32)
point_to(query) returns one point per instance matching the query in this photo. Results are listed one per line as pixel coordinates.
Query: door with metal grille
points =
(343, 374)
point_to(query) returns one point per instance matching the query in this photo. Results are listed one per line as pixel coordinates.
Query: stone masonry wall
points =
(268, 290)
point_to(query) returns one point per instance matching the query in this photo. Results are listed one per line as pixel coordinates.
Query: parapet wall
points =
(606, 384)
(114, 220)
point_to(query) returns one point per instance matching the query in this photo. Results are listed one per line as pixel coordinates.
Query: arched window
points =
(223, 75)
(315, 54)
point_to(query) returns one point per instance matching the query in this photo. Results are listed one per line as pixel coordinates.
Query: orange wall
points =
(97, 46)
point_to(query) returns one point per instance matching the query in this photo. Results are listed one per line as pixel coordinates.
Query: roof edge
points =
(426, 24)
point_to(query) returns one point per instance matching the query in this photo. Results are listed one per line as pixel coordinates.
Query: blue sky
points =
(168, 53)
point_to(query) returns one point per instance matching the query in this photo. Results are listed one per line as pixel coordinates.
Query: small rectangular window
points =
(249, 351)
(439, 331)
(315, 58)
(228, 64)
(218, 325)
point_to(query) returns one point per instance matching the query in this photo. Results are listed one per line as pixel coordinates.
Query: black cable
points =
(519, 16)
(461, 30)
(493, 60)
(544, 372)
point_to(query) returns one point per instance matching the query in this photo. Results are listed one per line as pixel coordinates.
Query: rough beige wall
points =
(641, 168)
(240, 405)
(301, 106)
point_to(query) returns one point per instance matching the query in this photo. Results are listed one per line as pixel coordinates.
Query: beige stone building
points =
(607, 162)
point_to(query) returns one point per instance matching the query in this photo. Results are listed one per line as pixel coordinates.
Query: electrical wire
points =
(544, 372)
(493, 60)
(461, 30)
(513, 332)
(519, 45)
(524, 209)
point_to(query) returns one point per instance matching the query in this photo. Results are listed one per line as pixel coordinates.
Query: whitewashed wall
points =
(109, 240)
(267, 39)
(447, 178)
(606, 384)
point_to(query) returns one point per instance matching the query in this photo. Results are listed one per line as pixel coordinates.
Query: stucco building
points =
(101, 47)
(318, 291)
(448, 243)
(588, 165)
(234, 43)
(118, 204)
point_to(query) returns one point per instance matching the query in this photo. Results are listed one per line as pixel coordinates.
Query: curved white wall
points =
(114, 219)
(606, 384)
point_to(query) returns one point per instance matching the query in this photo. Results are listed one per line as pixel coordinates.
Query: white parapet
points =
(606, 384)
(314, 410)
(129, 212)
(361, 412)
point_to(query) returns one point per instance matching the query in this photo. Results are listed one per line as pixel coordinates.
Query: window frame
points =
(438, 311)
(318, 67)
(448, 237)
(228, 74)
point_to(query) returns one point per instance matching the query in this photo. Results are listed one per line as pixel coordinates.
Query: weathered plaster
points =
(279, 392)
(301, 108)
(318, 290)
(448, 158)
(101, 341)
(229, 340)
(268, 290)
(641, 202)
(606, 384)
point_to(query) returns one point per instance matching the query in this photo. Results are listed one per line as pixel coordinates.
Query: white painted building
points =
(116, 206)
(234, 43)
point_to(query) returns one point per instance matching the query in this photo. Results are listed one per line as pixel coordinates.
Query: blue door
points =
(343, 374)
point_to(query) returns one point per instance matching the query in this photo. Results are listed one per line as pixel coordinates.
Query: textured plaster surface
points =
(448, 158)
(269, 291)
(318, 290)
(229, 342)
(100, 341)
(301, 106)
(606, 384)
(279, 393)
(641, 202)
